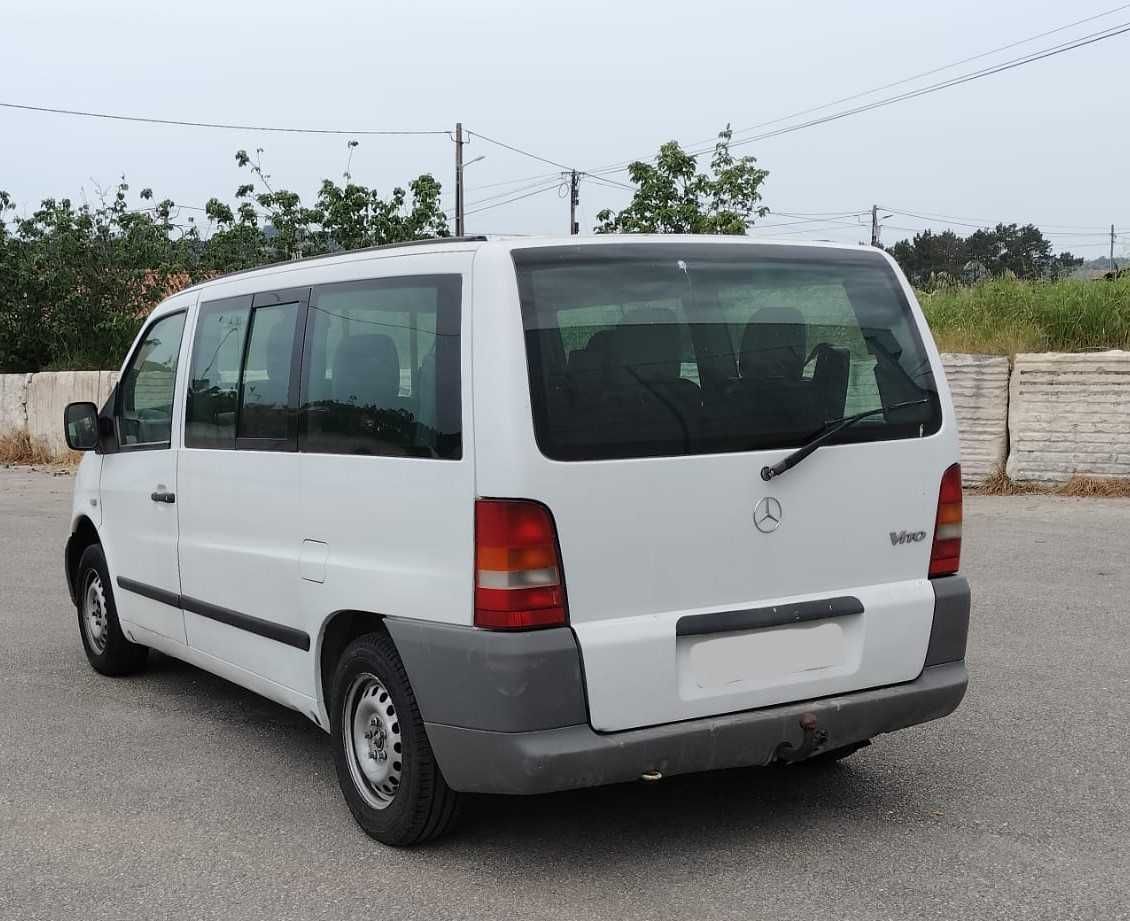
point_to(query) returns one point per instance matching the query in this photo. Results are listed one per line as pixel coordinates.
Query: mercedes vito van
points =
(513, 516)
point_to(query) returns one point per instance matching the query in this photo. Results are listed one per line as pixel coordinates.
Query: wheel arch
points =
(339, 630)
(83, 534)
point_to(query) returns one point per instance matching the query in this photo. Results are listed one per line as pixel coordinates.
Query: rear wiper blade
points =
(830, 429)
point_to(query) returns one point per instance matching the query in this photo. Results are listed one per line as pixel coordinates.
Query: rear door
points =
(662, 378)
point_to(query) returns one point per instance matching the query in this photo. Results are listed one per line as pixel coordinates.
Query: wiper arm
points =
(836, 425)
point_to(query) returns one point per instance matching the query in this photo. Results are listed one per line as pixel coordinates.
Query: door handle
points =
(161, 496)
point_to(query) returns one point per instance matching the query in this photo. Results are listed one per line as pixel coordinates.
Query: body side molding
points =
(281, 633)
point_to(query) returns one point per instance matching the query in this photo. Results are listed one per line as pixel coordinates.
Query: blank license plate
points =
(763, 655)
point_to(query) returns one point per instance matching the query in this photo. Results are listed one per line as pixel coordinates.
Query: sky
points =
(585, 84)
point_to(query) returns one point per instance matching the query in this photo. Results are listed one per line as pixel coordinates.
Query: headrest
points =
(367, 371)
(649, 343)
(601, 342)
(774, 344)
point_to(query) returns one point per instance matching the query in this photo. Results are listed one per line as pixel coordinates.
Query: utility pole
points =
(575, 199)
(874, 225)
(459, 179)
(1112, 266)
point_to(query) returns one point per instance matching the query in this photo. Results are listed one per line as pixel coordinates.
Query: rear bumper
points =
(481, 761)
(506, 712)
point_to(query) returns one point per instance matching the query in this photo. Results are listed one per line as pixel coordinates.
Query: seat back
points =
(366, 371)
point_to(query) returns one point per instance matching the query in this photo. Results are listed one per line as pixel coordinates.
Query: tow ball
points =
(813, 740)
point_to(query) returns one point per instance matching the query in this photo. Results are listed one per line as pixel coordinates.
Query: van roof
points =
(474, 242)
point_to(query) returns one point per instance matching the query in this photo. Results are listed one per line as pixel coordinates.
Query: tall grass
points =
(1005, 316)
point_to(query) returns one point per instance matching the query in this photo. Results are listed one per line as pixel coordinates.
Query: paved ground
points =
(175, 794)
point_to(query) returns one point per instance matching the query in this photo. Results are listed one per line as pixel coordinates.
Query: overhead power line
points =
(812, 218)
(219, 125)
(930, 73)
(945, 84)
(1111, 32)
(604, 180)
(539, 177)
(497, 196)
(913, 77)
(518, 150)
(547, 188)
(977, 223)
(1051, 51)
(1043, 228)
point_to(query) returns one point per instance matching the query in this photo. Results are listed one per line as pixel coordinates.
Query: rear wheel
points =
(385, 765)
(106, 646)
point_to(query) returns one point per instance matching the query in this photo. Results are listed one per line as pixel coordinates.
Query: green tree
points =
(931, 259)
(672, 196)
(77, 281)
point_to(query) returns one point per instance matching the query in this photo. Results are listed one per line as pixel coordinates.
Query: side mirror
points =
(80, 426)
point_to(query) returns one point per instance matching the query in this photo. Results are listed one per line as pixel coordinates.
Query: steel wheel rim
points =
(371, 735)
(95, 617)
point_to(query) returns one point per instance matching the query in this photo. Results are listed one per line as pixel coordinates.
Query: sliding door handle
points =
(161, 496)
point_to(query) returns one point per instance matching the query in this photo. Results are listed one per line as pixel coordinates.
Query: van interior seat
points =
(587, 368)
(646, 362)
(366, 372)
(772, 386)
(831, 377)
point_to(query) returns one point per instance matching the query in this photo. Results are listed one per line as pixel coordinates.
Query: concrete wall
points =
(1069, 414)
(979, 384)
(34, 403)
(49, 393)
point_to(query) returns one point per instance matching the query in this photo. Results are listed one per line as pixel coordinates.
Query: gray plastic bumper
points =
(479, 761)
(506, 712)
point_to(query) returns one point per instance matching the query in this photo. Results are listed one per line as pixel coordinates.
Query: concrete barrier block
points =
(48, 395)
(1069, 415)
(13, 402)
(979, 385)
(107, 381)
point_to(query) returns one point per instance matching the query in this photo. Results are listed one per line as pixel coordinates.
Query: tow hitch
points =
(813, 740)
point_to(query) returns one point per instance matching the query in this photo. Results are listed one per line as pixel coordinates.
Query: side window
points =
(381, 369)
(265, 382)
(144, 409)
(213, 391)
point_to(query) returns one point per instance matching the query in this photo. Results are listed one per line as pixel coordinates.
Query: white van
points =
(513, 516)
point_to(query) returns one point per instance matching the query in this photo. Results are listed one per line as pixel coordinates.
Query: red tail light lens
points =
(945, 556)
(517, 566)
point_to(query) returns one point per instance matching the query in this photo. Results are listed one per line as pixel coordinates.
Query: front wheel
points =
(106, 646)
(385, 765)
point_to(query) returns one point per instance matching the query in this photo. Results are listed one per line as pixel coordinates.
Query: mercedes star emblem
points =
(767, 515)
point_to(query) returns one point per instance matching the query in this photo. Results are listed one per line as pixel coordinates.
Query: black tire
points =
(421, 806)
(106, 646)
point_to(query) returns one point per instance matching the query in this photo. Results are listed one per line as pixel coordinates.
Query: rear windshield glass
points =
(645, 350)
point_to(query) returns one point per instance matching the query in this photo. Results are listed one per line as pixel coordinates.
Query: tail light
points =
(945, 555)
(517, 566)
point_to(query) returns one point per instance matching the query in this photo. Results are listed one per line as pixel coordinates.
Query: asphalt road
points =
(176, 795)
